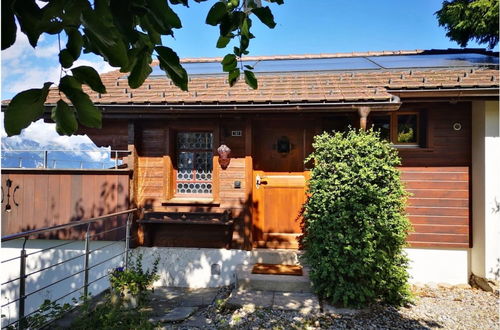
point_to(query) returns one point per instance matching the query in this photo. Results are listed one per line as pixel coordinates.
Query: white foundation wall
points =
(194, 267)
(102, 250)
(199, 268)
(485, 258)
(438, 265)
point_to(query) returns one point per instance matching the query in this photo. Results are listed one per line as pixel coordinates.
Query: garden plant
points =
(354, 220)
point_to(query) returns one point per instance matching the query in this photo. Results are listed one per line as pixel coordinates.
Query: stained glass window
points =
(194, 163)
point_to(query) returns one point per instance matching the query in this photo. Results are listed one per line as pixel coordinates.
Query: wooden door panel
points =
(278, 204)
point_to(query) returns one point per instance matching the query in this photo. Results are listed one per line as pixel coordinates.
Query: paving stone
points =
(255, 299)
(329, 309)
(197, 321)
(177, 314)
(302, 302)
(184, 297)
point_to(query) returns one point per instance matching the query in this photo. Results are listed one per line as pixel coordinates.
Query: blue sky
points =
(303, 27)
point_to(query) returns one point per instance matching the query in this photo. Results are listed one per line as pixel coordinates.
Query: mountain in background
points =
(19, 152)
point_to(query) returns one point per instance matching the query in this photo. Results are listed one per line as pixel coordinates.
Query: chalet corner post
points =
(363, 116)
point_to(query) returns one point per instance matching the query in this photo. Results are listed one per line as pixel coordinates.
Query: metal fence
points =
(62, 159)
(22, 317)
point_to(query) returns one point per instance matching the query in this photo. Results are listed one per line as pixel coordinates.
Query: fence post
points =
(127, 239)
(22, 286)
(45, 159)
(86, 264)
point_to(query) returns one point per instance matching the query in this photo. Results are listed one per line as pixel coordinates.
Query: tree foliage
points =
(466, 20)
(354, 223)
(125, 33)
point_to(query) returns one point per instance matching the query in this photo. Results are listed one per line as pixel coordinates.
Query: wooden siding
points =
(438, 207)
(113, 134)
(51, 197)
(154, 177)
(444, 146)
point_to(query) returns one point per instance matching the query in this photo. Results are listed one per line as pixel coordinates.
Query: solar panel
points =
(434, 60)
(349, 63)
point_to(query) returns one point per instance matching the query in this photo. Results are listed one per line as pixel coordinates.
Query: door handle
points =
(259, 181)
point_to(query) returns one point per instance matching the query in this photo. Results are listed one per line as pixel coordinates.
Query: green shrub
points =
(354, 223)
(133, 278)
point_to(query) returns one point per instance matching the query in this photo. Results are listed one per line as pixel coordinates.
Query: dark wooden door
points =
(279, 181)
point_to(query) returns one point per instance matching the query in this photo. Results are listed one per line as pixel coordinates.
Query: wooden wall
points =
(52, 197)
(439, 207)
(441, 166)
(444, 146)
(153, 157)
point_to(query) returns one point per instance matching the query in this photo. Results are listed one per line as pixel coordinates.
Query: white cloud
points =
(99, 66)
(34, 78)
(47, 51)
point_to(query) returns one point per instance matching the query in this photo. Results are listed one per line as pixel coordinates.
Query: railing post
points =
(22, 286)
(45, 158)
(86, 264)
(127, 238)
(116, 159)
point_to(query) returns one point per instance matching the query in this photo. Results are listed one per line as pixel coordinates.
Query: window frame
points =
(175, 157)
(393, 128)
(170, 165)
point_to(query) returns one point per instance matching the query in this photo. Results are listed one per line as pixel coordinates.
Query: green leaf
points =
(233, 77)
(141, 69)
(222, 42)
(245, 27)
(65, 58)
(250, 79)
(265, 15)
(29, 16)
(25, 108)
(75, 43)
(170, 63)
(9, 27)
(105, 38)
(229, 62)
(88, 75)
(65, 119)
(216, 13)
(88, 114)
(164, 16)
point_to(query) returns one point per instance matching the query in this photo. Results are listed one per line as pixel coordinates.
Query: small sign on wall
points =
(236, 133)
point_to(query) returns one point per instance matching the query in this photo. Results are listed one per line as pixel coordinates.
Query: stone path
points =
(183, 308)
(302, 302)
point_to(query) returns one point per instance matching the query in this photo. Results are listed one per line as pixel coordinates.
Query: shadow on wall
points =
(43, 269)
(65, 198)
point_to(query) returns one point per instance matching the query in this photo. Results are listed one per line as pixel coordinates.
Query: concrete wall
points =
(439, 265)
(485, 255)
(37, 261)
(199, 267)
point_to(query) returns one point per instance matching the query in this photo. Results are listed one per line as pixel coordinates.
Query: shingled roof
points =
(293, 87)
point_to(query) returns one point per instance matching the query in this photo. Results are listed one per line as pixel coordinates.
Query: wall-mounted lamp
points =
(224, 158)
(8, 184)
(283, 145)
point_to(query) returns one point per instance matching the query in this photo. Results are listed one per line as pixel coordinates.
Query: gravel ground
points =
(434, 308)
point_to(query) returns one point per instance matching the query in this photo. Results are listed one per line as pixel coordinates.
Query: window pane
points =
(383, 125)
(194, 163)
(407, 129)
(194, 140)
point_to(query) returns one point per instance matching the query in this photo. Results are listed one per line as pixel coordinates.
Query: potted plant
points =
(130, 285)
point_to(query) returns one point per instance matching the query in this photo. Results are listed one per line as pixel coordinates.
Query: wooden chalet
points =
(196, 193)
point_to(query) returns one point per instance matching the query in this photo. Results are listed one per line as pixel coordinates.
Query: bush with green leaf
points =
(134, 279)
(354, 221)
